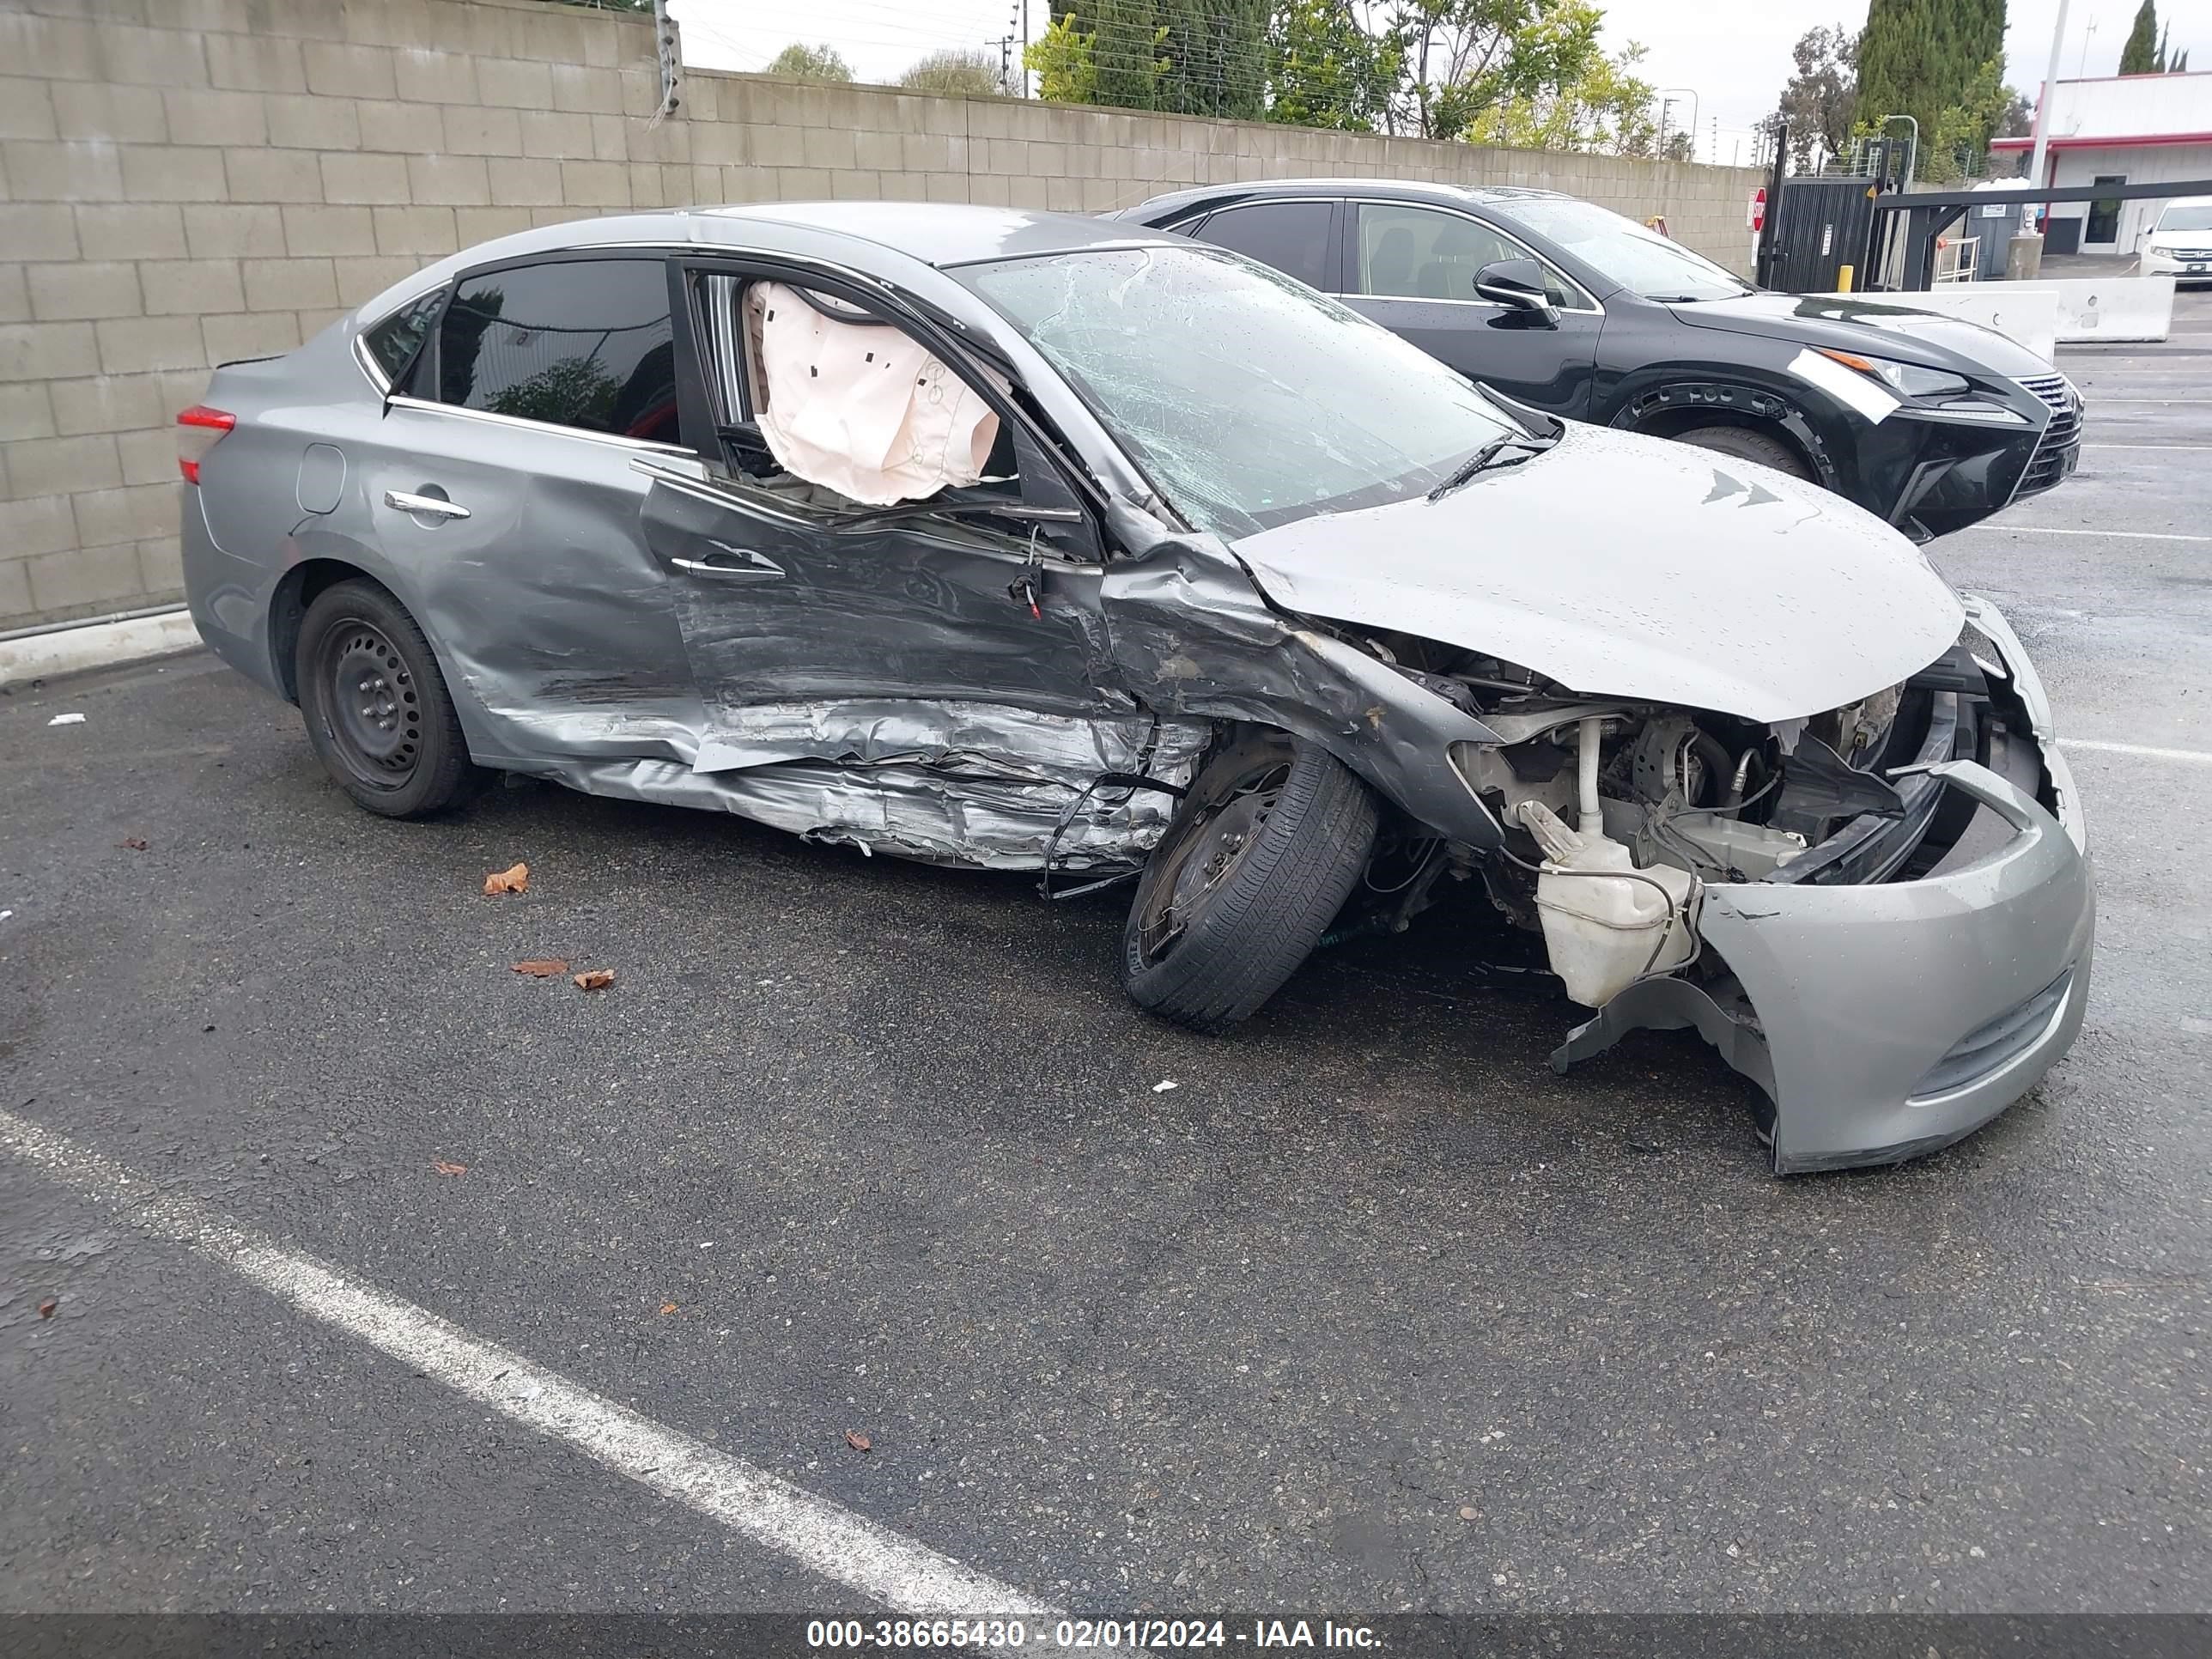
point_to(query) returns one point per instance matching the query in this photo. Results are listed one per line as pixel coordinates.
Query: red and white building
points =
(2119, 129)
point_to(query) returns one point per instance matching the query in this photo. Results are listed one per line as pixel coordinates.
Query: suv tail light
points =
(200, 430)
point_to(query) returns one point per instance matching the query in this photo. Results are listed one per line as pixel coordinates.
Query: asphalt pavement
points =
(1368, 1311)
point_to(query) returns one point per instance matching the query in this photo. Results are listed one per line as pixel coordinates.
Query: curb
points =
(73, 648)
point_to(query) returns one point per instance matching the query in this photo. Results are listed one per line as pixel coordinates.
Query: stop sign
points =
(1755, 217)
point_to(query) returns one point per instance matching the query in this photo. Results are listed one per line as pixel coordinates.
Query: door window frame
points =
(1332, 261)
(427, 361)
(1591, 307)
(704, 433)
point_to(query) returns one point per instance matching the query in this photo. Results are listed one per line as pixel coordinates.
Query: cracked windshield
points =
(1252, 400)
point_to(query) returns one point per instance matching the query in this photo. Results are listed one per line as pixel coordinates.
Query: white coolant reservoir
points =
(1606, 922)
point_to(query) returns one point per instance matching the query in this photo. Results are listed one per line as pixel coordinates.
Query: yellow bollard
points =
(1843, 280)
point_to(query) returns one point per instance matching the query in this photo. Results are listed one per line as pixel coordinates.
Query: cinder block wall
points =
(186, 181)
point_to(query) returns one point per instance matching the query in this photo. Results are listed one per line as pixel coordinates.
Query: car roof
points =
(940, 234)
(1403, 190)
(2185, 201)
(905, 237)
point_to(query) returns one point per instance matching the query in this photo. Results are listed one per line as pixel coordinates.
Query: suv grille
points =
(2055, 450)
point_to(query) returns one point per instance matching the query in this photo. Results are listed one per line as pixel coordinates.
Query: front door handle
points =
(731, 564)
(435, 506)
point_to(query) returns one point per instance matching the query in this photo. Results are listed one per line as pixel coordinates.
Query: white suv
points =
(2180, 244)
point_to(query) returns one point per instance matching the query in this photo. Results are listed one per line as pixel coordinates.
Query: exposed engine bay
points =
(1620, 815)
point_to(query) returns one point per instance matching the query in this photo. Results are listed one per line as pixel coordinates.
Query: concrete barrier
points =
(2042, 316)
(2114, 307)
(2027, 313)
(74, 648)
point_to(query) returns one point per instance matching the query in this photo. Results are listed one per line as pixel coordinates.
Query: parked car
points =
(2179, 245)
(1035, 543)
(1927, 422)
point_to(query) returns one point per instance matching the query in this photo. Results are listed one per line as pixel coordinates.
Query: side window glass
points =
(394, 342)
(1292, 236)
(826, 410)
(824, 403)
(579, 343)
(1419, 253)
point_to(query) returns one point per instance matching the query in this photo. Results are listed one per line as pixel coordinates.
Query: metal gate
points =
(1821, 225)
(1820, 222)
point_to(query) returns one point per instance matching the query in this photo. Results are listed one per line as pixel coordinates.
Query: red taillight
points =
(202, 430)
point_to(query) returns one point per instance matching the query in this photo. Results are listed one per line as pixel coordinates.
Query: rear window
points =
(576, 343)
(394, 342)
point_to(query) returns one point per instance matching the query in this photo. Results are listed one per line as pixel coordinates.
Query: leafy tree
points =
(797, 62)
(953, 70)
(1325, 69)
(1065, 62)
(1465, 56)
(1606, 107)
(1986, 109)
(1821, 101)
(2141, 54)
(1919, 57)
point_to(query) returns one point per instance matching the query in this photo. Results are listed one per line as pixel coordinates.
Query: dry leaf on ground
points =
(595, 979)
(514, 880)
(543, 967)
(443, 1168)
(132, 843)
(668, 1307)
(47, 1308)
(857, 1442)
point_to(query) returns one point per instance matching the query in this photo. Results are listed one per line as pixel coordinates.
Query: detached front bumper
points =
(1884, 1021)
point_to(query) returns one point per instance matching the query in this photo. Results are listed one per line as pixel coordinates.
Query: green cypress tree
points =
(1919, 57)
(2140, 55)
(1126, 49)
(1215, 51)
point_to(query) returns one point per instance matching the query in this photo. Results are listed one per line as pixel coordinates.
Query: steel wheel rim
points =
(1211, 848)
(373, 710)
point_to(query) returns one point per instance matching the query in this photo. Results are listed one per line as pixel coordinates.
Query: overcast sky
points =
(1734, 54)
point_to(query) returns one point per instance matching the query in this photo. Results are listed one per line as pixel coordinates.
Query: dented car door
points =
(778, 604)
(820, 626)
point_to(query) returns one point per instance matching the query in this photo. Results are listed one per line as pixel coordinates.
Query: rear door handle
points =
(731, 564)
(436, 507)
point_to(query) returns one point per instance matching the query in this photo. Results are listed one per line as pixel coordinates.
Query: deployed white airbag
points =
(860, 407)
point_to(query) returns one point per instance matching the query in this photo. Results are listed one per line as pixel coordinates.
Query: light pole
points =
(2043, 103)
(1667, 96)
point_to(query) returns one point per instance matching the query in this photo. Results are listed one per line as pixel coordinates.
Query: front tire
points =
(1265, 850)
(1747, 443)
(376, 708)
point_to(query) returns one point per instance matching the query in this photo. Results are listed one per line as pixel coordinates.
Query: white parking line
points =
(2148, 751)
(824, 1537)
(2136, 535)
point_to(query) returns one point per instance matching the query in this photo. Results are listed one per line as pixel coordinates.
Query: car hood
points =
(1631, 567)
(1848, 322)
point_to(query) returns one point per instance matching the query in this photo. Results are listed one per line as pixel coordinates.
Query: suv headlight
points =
(1930, 391)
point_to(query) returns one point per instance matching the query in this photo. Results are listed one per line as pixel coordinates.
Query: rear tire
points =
(1747, 443)
(1265, 850)
(376, 708)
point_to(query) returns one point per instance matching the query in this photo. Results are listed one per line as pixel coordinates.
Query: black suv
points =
(1931, 422)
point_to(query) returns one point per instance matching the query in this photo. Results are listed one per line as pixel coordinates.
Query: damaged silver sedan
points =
(1031, 542)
